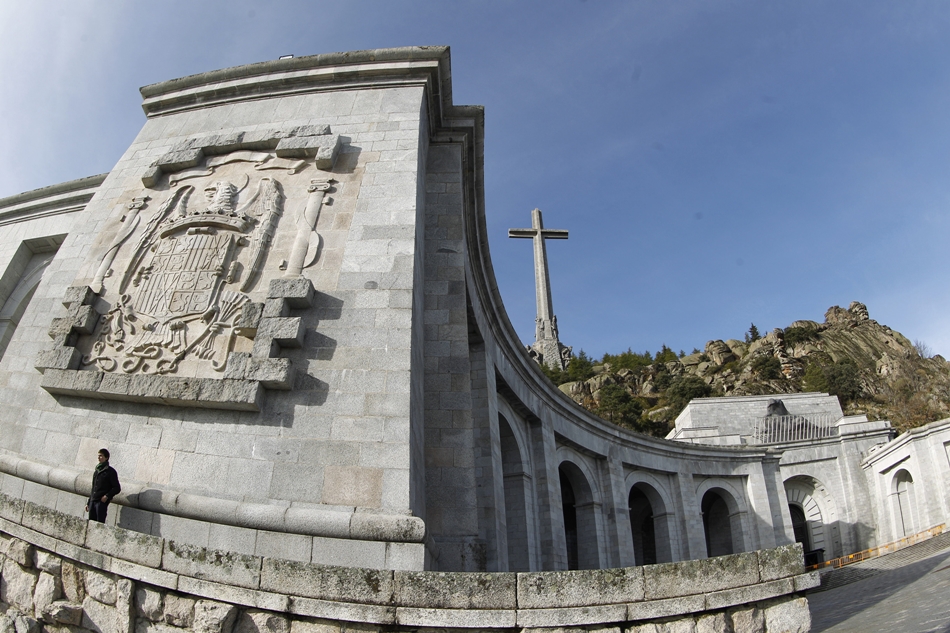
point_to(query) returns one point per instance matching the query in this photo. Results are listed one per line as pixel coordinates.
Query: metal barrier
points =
(778, 429)
(874, 552)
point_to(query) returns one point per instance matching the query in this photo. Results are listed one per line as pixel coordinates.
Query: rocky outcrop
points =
(896, 379)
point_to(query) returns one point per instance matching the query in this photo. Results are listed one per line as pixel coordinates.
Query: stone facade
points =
(278, 312)
(851, 483)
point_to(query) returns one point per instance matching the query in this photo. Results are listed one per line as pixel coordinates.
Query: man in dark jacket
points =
(105, 485)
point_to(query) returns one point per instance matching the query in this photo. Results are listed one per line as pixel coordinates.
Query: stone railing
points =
(62, 569)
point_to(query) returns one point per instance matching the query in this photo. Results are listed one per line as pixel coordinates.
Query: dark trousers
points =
(97, 511)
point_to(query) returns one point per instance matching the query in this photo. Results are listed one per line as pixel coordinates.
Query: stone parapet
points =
(111, 579)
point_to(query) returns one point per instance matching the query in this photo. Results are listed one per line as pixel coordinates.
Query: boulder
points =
(720, 353)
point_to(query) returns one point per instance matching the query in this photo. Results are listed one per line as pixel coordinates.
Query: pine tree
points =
(752, 334)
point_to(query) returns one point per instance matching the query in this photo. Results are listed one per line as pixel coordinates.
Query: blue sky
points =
(717, 163)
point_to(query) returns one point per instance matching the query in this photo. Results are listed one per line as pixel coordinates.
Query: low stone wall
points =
(63, 574)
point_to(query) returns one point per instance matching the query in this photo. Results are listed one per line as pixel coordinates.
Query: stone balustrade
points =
(63, 570)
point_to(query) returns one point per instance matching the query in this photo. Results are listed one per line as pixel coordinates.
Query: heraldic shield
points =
(181, 295)
(175, 312)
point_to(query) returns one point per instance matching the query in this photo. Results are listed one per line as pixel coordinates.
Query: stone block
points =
(669, 580)
(58, 358)
(286, 332)
(79, 295)
(236, 367)
(182, 159)
(241, 395)
(149, 603)
(100, 586)
(143, 549)
(275, 308)
(7, 624)
(751, 593)
(249, 319)
(265, 600)
(84, 318)
(444, 590)
(214, 617)
(44, 561)
(62, 612)
(21, 552)
(539, 590)
(650, 609)
(747, 620)
(788, 616)
(780, 562)
(64, 527)
(310, 130)
(346, 584)
(571, 616)
(73, 586)
(254, 621)
(144, 626)
(807, 581)
(151, 176)
(297, 292)
(104, 618)
(179, 610)
(11, 508)
(480, 619)
(713, 623)
(26, 624)
(273, 373)
(348, 611)
(215, 565)
(17, 584)
(309, 626)
(47, 591)
(323, 148)
(70, 382)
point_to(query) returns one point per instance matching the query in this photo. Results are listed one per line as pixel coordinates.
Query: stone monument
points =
(278, 312)
(547, 348)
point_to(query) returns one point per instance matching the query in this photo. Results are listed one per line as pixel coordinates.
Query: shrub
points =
(683, 389)
(618, 406)
(767, 367)
(796, 335)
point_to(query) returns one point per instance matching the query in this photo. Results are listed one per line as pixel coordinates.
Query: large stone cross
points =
(547, 346)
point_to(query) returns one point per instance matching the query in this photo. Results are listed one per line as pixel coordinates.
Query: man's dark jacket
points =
(105, 483)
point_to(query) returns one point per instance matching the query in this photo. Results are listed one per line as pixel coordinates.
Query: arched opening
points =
(570, 521)
(800, 526)
(904, 496)
(642, 527)
(579, 515)
(516, 491)
(818, 532)
(717, 524)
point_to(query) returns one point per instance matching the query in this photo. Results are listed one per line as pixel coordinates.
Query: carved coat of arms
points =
(184, 288)
(172, 291)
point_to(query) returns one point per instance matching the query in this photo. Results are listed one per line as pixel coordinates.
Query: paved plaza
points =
(904, 592)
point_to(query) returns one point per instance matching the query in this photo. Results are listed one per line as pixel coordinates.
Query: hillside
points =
(870, 367)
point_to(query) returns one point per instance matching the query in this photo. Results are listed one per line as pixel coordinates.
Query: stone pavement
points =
(904, 592)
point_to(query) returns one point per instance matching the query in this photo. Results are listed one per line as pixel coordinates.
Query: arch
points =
(905, 505)
(517, 483)
(818, 528)
(724, 518)
(646, 494)
(579, 509)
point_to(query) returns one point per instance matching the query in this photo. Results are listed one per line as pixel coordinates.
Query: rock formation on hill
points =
(870, 367)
